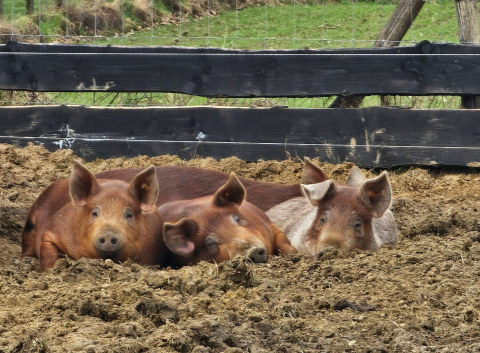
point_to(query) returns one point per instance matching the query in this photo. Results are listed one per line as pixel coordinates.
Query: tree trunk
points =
(468, 33)
(30, 5)
(1, 9)
(391, 36)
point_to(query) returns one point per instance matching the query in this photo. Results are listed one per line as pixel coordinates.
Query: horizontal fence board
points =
(244, 74)
(371, 156)
(424, 47)
(366, 126)
(375, 137)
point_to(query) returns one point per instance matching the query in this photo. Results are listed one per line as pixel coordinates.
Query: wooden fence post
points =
(1, 9)
(29, 5)
(468, 33)
(393, 32)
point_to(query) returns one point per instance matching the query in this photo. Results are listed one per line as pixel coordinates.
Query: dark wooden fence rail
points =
(244, 74)
(374, 137)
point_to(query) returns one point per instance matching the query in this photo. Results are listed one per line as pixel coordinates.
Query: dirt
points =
(419, 296)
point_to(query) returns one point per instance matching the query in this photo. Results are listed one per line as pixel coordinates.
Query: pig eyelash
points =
(320, 223)
(238, 220)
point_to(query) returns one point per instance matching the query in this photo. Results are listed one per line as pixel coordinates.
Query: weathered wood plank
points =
(367, 126)
(374, 137)
(12, 46)
(244, 75)
(424, 47)
(368, 156)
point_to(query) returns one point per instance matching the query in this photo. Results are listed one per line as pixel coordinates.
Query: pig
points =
(106, 219)
(186, 183)
(216, 228)
(354, 215)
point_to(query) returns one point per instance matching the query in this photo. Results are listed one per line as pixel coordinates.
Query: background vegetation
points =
(235, 24)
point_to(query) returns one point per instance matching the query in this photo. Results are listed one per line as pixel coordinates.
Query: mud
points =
(420, 296)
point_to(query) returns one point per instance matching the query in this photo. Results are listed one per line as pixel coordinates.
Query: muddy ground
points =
(420, 296)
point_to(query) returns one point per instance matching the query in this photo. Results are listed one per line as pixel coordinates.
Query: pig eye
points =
(238, 220)
(321, 222)
(212, 245)
(358, 225)
(128, 213)
(95, 213)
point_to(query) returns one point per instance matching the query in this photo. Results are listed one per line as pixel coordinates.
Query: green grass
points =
(313, 26)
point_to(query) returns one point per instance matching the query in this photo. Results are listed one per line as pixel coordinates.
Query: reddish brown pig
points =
(107, 219)
(186, 183)
(349, 216)
(217, 228)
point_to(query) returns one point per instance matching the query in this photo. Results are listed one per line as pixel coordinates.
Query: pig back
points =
(186, 183)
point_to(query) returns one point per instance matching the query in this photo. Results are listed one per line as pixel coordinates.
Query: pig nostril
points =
(319, 255)
(108, 243)
(261, 252)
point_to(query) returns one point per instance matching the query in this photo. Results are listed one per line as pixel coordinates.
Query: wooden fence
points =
(374, 137)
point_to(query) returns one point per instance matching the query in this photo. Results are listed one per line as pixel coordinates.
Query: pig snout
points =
(327, 252)
(258, 254)
(109, 244)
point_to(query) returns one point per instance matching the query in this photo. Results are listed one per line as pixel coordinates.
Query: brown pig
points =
(355, 215)
(186, 183)
(217, 228)
(106, 219)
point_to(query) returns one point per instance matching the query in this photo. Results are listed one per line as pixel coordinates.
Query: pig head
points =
(219, 227)
(349, 216)
(107, 219)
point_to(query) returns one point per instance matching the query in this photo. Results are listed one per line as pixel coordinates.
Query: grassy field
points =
(340, 25)
(289, 26)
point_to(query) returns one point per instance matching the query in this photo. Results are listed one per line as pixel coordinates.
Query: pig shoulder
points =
(295, 218)
(50, 201)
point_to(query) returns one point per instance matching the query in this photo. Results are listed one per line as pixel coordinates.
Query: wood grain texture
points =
(243, 74)
(375, 137)
(424, 47)
(371, 156)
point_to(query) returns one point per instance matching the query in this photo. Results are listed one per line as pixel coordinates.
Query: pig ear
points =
(356, 177)
(144, 187)
(312, 174)
(231, 192)
(317, 192)
(83, 184)
(178, 236)
(377, 193)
